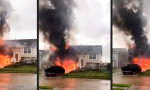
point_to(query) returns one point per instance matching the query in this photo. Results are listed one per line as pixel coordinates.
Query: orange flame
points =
(144, 63)
(5, 60)
(67, 64)
(67, 46)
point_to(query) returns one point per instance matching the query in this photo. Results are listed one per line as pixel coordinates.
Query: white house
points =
(24, 50)
(89, 56)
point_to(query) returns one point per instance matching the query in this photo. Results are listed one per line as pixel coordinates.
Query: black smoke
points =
(128, 17)
(5, 9)
(55, 24)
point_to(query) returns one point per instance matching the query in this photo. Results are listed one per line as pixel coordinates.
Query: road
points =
(137, 82)
(75, 83)
(17, 81)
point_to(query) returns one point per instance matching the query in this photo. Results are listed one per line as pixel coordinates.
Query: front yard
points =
(19, 68)
(146, 73)
(120, 86)
(95, 74)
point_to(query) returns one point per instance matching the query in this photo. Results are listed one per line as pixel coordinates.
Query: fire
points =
(1, 42)
(67, 64)
(144, 63)
(5, 60)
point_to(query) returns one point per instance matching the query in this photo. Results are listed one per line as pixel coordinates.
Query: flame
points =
(67, 46)
(5, 60)
(67, 64)
(54, 48)
(144, 63)
(1, 42)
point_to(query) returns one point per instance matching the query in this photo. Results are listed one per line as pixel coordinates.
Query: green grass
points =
(146, 73)
(45, 87)
(118, 89)
(98, 74)
(19, 68)
(121, 85)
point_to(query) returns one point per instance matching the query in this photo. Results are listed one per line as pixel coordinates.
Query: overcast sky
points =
(91, 25)
(23, 20)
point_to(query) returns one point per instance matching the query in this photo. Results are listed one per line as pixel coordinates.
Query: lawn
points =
(146, 73)
(97, 74)
(19, 68)
(46, 87)
(120, 86)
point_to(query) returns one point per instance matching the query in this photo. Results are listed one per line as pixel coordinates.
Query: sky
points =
(23, 20)
(91, 25)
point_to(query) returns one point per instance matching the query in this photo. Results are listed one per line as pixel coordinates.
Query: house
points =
(24, 50)
(120, 57)
(89, 56)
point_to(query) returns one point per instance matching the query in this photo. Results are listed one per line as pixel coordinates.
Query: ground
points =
(97, 74)
(18, 81)
(19, 68)
(78, 83)
(137, 82)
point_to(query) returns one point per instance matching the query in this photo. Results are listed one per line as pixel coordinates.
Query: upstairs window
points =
(27, 50)
(92, 56)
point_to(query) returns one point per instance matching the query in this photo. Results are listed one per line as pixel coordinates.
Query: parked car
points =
(131, 69)
(54, 71)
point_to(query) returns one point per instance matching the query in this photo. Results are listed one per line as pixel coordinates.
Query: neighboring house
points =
(120, 57)
(89, 56)
(24, 50)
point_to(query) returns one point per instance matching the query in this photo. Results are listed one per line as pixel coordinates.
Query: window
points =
(92, 56)
(27, 50)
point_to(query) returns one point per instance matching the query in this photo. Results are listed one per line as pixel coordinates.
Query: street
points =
(137, 82)
(17, 81)
(74, 83)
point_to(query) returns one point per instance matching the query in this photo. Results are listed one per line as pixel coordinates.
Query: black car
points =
(131, 69)
(54, 71)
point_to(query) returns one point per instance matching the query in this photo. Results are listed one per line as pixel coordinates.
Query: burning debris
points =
(5, 52)
(128, 17)
(55, 24)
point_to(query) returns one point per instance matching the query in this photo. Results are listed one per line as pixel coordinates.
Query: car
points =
(131, 69)
(54, 71)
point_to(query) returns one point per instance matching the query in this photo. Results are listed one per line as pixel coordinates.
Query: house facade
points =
(24, 50)
(120, 57)
(89, 56)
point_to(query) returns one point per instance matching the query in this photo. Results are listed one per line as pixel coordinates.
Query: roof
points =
(21, 42)
(87, 48)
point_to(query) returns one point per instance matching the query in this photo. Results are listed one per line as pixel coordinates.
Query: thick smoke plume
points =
(5, 9)
(128, 17)
(55, 23)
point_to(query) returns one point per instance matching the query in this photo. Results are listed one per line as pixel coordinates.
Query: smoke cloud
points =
(56, 19)
(5, 9)
(128, 17)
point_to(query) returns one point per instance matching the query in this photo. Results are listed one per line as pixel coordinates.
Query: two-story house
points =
(24, 50)
(89, 56)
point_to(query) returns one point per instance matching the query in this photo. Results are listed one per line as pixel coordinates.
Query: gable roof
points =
(87, 48)
(21, 42)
